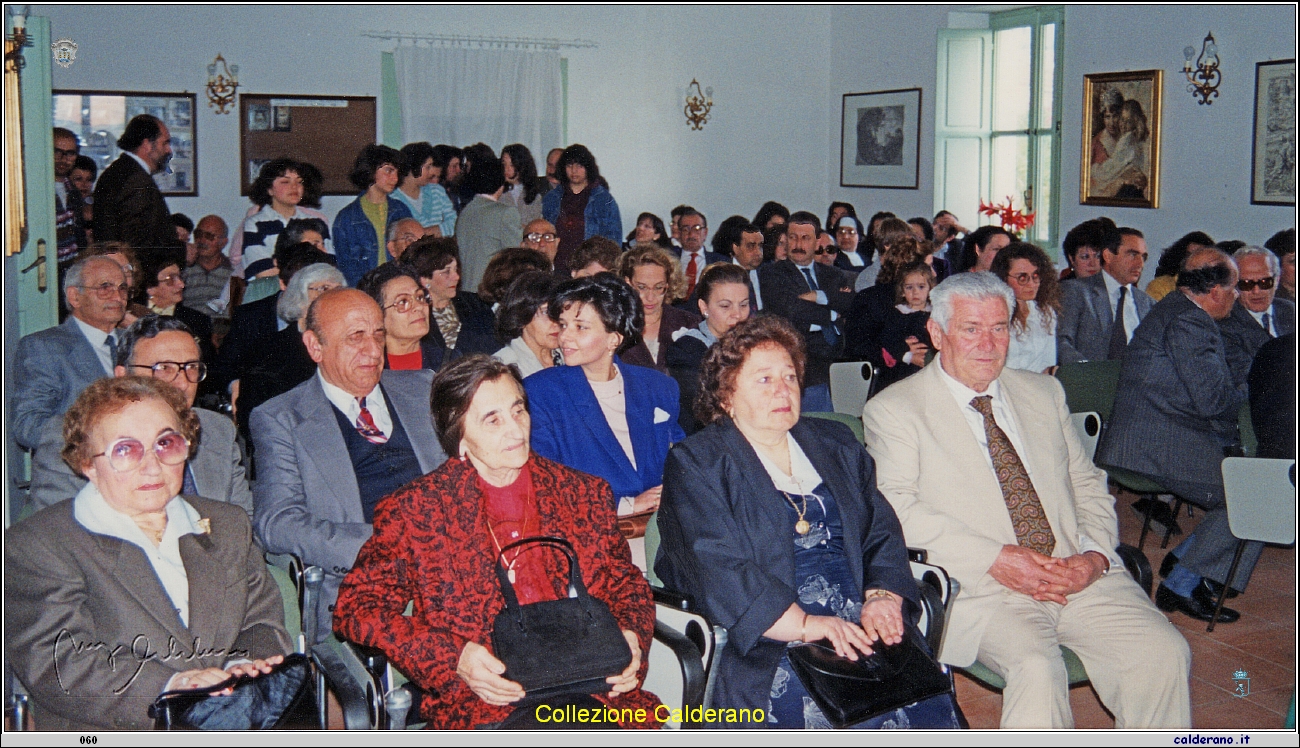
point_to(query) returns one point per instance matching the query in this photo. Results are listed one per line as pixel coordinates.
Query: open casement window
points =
(998, 119)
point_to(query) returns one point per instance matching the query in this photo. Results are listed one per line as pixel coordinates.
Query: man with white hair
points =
(1259, 315)
(986, 472)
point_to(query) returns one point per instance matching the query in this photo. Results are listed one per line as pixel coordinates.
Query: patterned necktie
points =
(1027, 518)
(366, 425)
(1267, 327)
(691, 269)
(1118, 335)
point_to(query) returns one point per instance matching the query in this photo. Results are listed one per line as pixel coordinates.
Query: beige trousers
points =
(1137, 660)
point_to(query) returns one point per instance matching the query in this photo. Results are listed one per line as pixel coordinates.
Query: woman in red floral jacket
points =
(436, 541)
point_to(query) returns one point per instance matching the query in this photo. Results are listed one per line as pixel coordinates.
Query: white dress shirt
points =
(350, 408)
(98, 341)
(1002, 416)
(1033, 348)
(1130, 304)
(93, 512)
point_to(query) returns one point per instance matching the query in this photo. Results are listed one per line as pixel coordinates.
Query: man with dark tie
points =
(747, 252)
(1259, 315)
(53, 366)
(813, 297)
(162, 348)
(1100, 313)
(329, 449)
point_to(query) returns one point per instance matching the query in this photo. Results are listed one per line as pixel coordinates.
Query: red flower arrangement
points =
(1012, 220)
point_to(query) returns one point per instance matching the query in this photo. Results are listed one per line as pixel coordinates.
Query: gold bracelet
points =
(803, 628)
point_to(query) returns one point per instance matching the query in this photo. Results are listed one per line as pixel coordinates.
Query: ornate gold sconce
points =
(1203, 80)
(698, 105)
(222, 85)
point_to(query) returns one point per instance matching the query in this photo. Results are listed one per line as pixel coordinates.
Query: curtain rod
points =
(487, 41)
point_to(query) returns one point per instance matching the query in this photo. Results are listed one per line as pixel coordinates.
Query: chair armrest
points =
(688, 656)
(674, 599)
(1135, 561)
(359, 691)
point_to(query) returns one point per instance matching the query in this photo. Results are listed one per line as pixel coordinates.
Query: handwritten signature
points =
(136, 654)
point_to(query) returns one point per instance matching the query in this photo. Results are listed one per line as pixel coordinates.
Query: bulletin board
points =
(325, 131)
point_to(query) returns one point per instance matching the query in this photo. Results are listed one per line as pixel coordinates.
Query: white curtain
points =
(497, 96)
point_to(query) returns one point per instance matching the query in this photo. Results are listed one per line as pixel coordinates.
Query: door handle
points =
(39, 265)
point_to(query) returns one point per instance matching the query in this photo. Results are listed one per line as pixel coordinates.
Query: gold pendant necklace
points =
(802, 527)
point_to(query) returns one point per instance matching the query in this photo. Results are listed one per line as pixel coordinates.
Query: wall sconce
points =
(698, 105)
(222, 85)
(1203, 81)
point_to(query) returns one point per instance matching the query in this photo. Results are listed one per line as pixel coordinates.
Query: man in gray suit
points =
(486, 226)
(1258, 316)
(1087, 329)
(53, 366)
(1175, 413)
(164, 348)
(332, 447)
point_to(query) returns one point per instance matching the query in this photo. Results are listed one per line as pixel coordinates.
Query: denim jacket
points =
(602, 212)
(356, 246)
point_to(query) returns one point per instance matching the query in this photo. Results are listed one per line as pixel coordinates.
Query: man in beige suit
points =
(1032, 540)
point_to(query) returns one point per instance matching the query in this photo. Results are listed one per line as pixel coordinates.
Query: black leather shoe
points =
(1199, 606)
(1171, 560)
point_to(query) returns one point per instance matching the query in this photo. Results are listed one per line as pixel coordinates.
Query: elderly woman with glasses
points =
(405, 303)
(131, 589)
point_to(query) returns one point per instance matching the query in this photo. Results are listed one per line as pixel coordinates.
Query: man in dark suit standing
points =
(813, 297)
(53, 366)
(329, 449)
(1175, 414)
(1258, 316)
(129, 207)
(1088, 329)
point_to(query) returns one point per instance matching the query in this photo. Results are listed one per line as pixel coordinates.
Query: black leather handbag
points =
(283, 699)
(849, 692)
(557, 647)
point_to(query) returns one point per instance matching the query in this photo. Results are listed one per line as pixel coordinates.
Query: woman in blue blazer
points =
(357, 243)
(598, 414)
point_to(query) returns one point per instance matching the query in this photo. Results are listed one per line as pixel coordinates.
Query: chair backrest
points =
(1246, 428)
(1090, 386)
(652, 549)
(292, 616)
(1261, 498)
(850, 386)
(1089, 427)
(853, 422)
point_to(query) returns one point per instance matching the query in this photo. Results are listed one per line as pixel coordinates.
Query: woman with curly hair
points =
(657, 279)
(1032, 276)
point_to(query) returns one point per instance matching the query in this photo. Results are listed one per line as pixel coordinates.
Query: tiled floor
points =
(1263, 643)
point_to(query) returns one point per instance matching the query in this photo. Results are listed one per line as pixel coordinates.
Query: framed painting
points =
(1273, 163)
(99, 117)
(881, 139)
(1121, 139)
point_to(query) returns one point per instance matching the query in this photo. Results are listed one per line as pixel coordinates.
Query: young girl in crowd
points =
(904, 340)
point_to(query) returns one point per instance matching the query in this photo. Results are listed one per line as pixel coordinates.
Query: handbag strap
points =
(576, 587)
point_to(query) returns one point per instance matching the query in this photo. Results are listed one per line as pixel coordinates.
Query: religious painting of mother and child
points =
(1121, 139)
